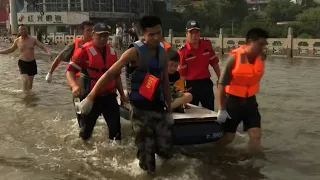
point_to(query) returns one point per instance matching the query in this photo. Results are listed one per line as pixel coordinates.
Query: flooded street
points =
(39, 134)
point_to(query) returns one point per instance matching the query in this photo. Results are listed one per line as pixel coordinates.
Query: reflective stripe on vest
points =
(246, 77)
(78, 42)
(147, 63)
(97, 66)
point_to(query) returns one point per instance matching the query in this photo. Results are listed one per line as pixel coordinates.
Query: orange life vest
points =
(97, 66)
(246, 77)
(165, 45)
(78, 42)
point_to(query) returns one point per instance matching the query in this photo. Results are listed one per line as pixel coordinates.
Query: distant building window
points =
(62, 29)
(75, 5)
(100, 5)
(122, 5)
(56, 5)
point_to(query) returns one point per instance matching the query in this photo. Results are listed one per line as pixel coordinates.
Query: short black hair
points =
(255, 34)
(149, 21)
(86, 23)
(22, 25)
(174, 56)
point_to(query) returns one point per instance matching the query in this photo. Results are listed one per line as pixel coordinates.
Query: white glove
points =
(169, 118)
(49, 77)
(222, 116)
(85, 106)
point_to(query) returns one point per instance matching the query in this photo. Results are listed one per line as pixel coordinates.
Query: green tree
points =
(309, 22)
(256, 20)
(282, 10)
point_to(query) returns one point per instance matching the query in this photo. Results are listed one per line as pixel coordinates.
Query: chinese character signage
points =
(42, 18)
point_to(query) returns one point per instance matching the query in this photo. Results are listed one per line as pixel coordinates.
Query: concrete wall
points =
(287, 46)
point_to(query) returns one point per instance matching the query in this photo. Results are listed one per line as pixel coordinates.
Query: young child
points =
(178, 98)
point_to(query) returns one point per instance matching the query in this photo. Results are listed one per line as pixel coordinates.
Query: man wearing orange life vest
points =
(93, 60)
(70, 49)
(240, 83)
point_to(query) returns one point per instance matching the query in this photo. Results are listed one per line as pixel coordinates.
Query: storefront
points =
(50, 22)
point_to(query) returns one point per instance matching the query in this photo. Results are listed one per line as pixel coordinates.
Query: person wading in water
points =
(27, 63)
(149, 94)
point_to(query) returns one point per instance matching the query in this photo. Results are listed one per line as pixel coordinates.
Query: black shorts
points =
(245, 110)
(28, 67)
(202, 91)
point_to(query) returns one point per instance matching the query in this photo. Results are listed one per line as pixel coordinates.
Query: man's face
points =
(23, 30)
(193, 36)
(100, 39)
(87, 32)
(256, 47)
(173, 67)
(152, 35)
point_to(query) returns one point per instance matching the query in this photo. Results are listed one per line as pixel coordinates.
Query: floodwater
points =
(39, 133)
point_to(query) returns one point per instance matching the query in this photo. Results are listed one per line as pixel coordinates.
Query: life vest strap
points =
(88, 77)
(103, 70)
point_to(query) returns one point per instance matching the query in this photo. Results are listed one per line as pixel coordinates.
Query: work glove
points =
(85, 106)
(49, 77)
(222, 116)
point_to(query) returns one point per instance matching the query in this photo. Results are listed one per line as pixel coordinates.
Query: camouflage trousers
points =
(152, 136)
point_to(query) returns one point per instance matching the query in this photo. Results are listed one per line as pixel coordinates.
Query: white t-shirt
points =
(119, 32)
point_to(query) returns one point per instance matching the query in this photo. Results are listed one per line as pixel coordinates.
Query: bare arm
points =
(166, 86)
(41, 46)
(12, 48)
(182, 67)
(214, 61)
(216, 69)
(65, 55)
(223, 81)
(119, 86)
(113, 72)
(77, 63)
(71, 78)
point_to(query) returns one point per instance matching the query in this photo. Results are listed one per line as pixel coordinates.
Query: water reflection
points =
(30, 100)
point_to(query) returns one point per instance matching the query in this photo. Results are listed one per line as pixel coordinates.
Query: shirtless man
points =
(27, 63)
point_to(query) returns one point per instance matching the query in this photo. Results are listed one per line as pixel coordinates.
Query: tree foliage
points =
(227, 14)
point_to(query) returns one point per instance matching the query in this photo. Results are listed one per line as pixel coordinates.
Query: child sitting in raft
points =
(178, 98)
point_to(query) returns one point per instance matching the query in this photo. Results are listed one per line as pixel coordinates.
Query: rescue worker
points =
(92, 60)
(149, 93)
(240, 83)
(195, 57)
(70, 49)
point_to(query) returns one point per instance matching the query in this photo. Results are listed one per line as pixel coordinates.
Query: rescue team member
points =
(240, 82)
(70, 49)
(149, 93)
(27, 63)
(195, 57)
(92, 60)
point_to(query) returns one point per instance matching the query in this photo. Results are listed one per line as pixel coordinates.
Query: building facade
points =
(63, 16)
(3, 16)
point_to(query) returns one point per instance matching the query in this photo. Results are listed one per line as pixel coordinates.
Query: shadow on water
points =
(228, 164)
(30, 100)
(21, 162)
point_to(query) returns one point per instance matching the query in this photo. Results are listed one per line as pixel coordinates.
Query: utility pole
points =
(232, 27)
(130, 9)
(13, 17)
